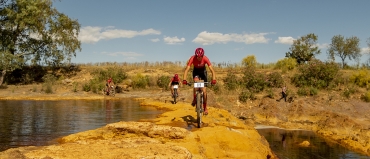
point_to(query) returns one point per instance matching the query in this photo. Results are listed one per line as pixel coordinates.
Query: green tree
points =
(249, 61)
(304, 49)
(344, 48)
(34, 32)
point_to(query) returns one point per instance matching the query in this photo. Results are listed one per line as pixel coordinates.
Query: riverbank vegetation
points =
(240, 82)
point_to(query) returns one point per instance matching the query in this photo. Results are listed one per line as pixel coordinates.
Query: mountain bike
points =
(199, 100)
(175, 94)
(111, 91)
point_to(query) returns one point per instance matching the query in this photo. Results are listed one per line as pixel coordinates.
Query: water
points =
(39, 123)
(285, 144)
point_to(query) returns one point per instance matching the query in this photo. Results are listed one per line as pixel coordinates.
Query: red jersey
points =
(173, 79)
(199, 64)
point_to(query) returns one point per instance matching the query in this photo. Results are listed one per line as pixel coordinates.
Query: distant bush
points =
(163, 82)
(86, 87)
(270, 93)
(253, 81)
(361, 78)
(140, 81)
(275, 80)
(316, 74)
(286, 64)
(117, 74)
(75, 85)
(302, 91)
(94, 85)
(216, 88)
(349, 90)
(49, 81)
(366, 96)
(313, 91)
(231, 81)
(249, 61)
(245, 95)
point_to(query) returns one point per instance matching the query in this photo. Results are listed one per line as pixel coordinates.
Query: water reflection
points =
(300, 144)
(24, 123)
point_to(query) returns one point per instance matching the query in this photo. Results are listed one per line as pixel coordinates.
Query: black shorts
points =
(174, 83)
(201, 73)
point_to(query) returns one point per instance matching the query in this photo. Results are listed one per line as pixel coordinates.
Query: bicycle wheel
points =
(199, 109)
(104, 91)
(112, 92)
(174, 96)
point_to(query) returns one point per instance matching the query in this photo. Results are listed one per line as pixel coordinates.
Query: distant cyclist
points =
(175, 80)
(109, 84)
(199, 61)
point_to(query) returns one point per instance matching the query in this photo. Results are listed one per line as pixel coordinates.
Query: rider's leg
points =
(172, 90)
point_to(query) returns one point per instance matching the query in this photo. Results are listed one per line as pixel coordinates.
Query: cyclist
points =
(175, 80)
(109, 84)
(199, 61)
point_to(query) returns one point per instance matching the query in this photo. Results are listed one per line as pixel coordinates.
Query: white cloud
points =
(207, 38)
(285, 40)
(91, 34)
(154, 40)
(365, 50)
(173, 40)
(130, 55)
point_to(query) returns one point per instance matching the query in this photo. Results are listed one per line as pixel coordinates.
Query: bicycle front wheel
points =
(112, 92)
(174, 95)
(199, 110)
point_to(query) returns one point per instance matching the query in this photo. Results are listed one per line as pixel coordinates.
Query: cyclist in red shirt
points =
(199, 61)
(109, 84)
(175, 80)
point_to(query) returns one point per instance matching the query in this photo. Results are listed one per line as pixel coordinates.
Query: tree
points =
(33, 32)
(344, 48)
(249, 61)
(304, 49)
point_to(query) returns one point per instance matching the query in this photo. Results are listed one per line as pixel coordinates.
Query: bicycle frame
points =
(199, 100)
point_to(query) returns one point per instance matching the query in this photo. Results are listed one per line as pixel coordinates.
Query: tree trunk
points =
(2, 75)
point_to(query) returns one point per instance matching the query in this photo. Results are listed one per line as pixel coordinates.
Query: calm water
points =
(38, 123)
(285, 145)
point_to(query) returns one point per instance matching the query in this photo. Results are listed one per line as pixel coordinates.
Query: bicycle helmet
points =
(176, 76)
(199, 52)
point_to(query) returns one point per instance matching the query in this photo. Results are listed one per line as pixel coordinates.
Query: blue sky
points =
(228, 30)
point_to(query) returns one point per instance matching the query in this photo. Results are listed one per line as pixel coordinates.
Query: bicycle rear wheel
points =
(199, 109)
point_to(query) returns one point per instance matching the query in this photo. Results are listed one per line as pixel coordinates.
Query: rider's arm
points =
(213, 72)
(170, 83)
(186, 72)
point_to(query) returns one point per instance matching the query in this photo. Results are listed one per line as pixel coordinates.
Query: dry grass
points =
(229, 98)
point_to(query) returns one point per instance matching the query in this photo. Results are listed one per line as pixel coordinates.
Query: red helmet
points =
(176, 76)
(199, 52)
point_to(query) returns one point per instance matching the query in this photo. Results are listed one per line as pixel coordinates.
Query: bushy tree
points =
(232, 82)
(253, 81)
(34, 32)
(344, 48)
(249, 61)
(316, 74)
(304, 49)
(286, 64)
